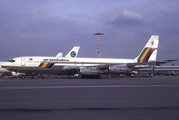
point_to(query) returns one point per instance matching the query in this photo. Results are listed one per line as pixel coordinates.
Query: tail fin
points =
(149, 52)
(73, 52)
(59, 55)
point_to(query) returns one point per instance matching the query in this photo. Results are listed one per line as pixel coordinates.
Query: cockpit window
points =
(11, 60)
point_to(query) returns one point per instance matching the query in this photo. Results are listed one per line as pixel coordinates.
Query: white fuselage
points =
(37, 64)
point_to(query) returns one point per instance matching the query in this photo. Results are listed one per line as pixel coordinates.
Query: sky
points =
(47, 27)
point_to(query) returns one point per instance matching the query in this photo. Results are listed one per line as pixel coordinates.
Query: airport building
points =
(160, 70)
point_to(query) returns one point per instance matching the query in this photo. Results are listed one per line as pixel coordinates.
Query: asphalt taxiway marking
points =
(95, 86)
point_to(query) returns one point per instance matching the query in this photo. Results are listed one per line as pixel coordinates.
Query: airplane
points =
(59, 55)
(3, 70)
(7, 73)
(73, 53)
(86, 67)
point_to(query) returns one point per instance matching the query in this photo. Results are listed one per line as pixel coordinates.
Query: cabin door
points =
(23, 61)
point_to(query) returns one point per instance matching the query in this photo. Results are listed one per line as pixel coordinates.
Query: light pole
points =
(98, 42)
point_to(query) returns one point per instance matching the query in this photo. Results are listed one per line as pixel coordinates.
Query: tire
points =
(23, 77)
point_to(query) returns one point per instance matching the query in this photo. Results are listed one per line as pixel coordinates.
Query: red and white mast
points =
(98, 42)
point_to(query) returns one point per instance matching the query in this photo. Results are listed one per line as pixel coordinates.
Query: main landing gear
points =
(91, 77)
(23, 76)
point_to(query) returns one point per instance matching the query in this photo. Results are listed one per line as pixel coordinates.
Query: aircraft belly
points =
(55, 69)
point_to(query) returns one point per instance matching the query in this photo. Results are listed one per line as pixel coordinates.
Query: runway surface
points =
(90, 99)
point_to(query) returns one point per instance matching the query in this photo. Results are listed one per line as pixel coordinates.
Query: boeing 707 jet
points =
(87, 67)
(73, 53)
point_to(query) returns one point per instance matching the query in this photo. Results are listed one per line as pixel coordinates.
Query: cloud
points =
(126, 19)
(48, 27)
(131, 15)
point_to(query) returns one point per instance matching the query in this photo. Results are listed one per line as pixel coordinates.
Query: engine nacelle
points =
(89, 71)
(119, 69)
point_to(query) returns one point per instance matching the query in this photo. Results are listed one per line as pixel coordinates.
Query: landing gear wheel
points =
(91, 77)
(23, 77)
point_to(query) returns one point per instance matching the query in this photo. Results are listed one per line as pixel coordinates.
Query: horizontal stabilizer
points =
(153, 63)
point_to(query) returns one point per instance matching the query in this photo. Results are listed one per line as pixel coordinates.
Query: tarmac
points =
(140, 98)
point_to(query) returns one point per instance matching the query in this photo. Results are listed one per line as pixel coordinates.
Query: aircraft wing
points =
(129, 65)
(101, 67)
(143, 64)
(165, 61)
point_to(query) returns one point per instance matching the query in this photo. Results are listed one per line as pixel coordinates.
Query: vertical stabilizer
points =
(149, 52)
(59, 55)
(73, 52)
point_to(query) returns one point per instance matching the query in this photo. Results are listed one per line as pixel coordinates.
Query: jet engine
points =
(119, 69)
(89, 71)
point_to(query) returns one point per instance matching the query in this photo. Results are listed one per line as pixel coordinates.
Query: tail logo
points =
(145, 55)
(149, 52)
(73, 54)
(152, 43)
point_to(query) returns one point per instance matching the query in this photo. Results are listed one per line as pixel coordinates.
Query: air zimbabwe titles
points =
(55, 60)
(48, 63)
